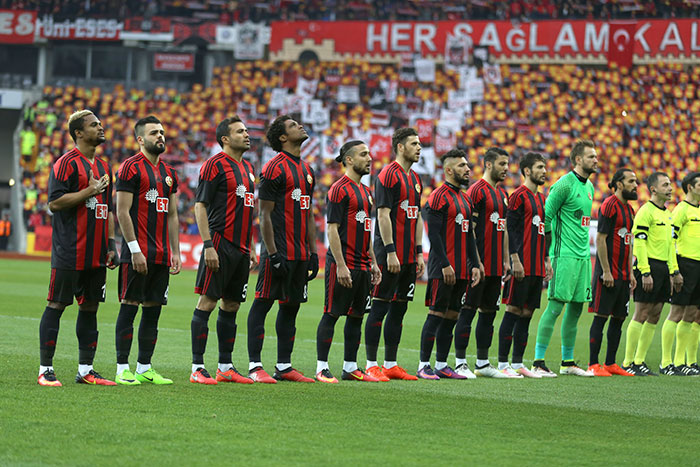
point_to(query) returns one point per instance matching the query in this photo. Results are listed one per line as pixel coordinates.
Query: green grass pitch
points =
(568, 420)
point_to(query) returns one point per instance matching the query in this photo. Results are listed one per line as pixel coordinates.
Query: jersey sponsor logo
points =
(362, 218)
(162, 204)
(625, 235)
(464, 223)
(499, 221)
(304, 200)
(537, 222)
(585, 221)
(411, 211)
(101, 211)
(248, 197)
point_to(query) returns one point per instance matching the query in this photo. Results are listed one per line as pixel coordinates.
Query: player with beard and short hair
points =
(655, 269)
(147, 213)
(489, 202)
(82, 245)
(452, 254)
(397, 246)
(567, 218)
(530, 264)
(612, 276)
(684, 303)
(288, 258)
(351, 268)
(224, 210)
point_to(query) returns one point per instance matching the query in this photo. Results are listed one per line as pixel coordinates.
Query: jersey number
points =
(368, 305)
(244, 292)
(411, 289)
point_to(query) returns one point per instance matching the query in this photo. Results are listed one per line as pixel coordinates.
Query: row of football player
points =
(470, 254)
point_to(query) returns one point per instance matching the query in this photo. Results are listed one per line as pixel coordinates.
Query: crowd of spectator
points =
(648, 119)
(228, 11)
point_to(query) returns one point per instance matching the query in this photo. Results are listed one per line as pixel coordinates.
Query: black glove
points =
(279, 265)
(313, 266)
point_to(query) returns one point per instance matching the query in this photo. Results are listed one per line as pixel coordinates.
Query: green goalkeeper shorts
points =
(571, 281)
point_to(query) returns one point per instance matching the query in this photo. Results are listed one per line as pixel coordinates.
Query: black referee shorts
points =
(690, 293)
(661, 292)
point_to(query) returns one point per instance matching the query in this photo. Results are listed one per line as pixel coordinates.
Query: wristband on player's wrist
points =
(646, 274)
(112, 245)
(419, 249)
(675, 273)
(390, 248)
(208, 244)
(134, 247)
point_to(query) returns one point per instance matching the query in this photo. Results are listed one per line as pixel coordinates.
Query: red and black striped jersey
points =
(489, 205)
(227, 187)
(400, 191)
(615, 219)
(151, 186)
(80, 234)
(448, 214)
(526, 230)
(350, 206)
(289, 182)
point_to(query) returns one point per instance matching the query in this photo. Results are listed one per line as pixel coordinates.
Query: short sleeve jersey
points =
(567, 215)
(289, 182)
(686, 227)
(653, 237)
(80, 234)
(526, 229)
(151, 185)
(453, 207)
(399, 191)
(350, 206)
(227, 188)
(489, 205)
(615, 220)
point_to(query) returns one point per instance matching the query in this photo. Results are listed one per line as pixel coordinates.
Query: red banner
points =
(621, 50)
(79, 28)
(173, 62)
(17, 27)
(338, 40)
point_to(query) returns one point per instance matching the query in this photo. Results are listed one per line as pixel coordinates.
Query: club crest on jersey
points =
(252, 177)
(160, 202)
(304, 200)
(309, 179)
(100, 209)
(169, 180)
(417, 188)
(625, 235)
(537, 222)
(411, 211)
(362, 218)
(505, 201)
(249, 200)
(462, 222)
(500, 222)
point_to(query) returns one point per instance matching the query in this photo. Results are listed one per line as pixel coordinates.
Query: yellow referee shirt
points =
(653, 237)
(686, 228)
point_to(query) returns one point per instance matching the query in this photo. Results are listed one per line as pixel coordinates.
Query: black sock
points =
(443, 339)
(148, 332)
(352, 335)
(373, 327)
(200, 332)
(124, 332)
(596, 338)
(48, 335)
(392, 330)
(614, 333)
(324, 336)
(505, 336)
(463, 330)
(286, 331)
(520, 334)
(256, 327)
(484, 334)
(86, 330)
(226, 333)
(427, 336)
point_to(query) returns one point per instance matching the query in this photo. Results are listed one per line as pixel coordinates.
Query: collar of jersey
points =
(290, 155)
(580, 178)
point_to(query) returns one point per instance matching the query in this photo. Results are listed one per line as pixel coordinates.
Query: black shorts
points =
(525, 294)
(152, 287)
(401, 286)
(292, 288)
(86, 286)
(661, 292)
(613, 300)
(343, 301)
(486, 294)
(230, 282)
(442, 297)
(690, 292)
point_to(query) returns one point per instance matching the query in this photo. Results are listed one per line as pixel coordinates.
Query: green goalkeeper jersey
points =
(567, 216)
